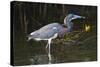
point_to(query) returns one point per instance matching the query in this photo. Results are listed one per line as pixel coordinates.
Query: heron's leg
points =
(46, 45)
(49, 54)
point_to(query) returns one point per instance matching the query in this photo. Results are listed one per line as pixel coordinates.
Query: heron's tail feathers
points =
(29, 37)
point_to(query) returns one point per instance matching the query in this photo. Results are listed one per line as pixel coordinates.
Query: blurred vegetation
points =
(79, 45)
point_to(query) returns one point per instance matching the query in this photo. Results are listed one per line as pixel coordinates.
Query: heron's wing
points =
(47, 33)
(49, 26)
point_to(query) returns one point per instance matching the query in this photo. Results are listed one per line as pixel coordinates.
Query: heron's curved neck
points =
(68, 23)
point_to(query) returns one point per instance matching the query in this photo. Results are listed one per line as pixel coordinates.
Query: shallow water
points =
(33, 52)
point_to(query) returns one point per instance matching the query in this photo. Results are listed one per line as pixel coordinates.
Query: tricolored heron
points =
(54, 30)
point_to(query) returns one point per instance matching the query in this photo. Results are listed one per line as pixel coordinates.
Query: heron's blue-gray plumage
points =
(45, 32)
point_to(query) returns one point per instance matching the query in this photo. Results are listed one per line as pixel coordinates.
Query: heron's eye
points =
(72, 17)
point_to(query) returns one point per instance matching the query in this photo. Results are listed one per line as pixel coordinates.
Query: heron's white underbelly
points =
(53, 37)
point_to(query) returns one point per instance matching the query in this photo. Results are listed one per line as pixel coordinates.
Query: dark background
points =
(27, 17)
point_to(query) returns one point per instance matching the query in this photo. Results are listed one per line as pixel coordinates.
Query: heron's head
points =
(71, 17)
(68, 20)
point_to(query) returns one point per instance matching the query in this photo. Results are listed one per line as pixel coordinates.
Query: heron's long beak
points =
(78, 17)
